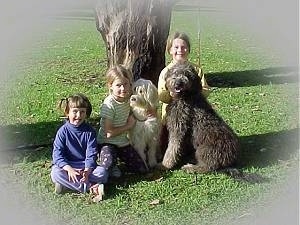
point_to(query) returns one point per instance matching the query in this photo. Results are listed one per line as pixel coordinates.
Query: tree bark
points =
(135, 34)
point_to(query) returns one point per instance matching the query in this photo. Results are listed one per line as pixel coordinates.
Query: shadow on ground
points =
(272, 75)
(258, 150)
(261, 150)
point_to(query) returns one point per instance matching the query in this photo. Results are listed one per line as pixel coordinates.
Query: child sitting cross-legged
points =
(75, 151)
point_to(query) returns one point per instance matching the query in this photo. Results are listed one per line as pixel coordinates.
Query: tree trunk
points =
(135, 33)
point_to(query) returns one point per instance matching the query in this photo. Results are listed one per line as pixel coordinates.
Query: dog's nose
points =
(179, 86)
(132, 98)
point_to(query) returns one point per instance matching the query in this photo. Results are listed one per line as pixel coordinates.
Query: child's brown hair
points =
(180, 35)
(118, 71)
(75, 101)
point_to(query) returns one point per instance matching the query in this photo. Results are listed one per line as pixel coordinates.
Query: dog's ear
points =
(152, 95)
(196, 81)
(136, 84)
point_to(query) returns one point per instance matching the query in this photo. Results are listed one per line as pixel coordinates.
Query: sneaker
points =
(115, 172)
(58, 188)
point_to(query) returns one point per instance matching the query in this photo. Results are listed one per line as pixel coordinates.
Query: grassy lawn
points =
(253, 93)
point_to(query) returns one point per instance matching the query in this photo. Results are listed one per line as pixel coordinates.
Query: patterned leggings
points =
(110, 153)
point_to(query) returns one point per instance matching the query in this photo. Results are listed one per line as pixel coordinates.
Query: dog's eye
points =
(141, 91)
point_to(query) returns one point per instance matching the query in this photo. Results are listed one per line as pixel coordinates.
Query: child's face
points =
(121, 89)
(179, 50)
(77, 116)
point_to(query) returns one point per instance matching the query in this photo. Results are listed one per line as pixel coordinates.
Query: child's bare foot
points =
(98, 191)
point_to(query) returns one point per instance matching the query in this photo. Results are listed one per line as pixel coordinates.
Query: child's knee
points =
(101, 174)
(56, 173)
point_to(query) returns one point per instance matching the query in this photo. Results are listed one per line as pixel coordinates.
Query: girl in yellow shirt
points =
(178, 46)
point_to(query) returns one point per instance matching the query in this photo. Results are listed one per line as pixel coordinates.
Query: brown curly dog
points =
(197, 134)
(199, 139)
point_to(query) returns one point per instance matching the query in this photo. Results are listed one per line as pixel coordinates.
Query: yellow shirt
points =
(164, 94)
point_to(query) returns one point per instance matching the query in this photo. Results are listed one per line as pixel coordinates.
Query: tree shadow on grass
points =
(30, 136)
(33, 141)
(262, 150)
(257, 150)
(30, 141)
(274, 75)
(19, 136)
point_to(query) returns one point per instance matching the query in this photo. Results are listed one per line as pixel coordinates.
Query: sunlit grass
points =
(71, 58)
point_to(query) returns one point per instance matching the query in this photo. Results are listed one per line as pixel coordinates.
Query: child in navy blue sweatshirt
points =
(75, 151)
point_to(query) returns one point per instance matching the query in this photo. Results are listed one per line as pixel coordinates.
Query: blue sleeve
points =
(59, 151)
(91, 150)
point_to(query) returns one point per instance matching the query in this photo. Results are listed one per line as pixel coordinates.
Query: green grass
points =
(253, 94)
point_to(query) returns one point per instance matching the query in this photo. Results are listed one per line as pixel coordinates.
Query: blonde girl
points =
(115, 122)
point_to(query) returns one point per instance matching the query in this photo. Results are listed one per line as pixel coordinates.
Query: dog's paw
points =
(189, 168)
(168, 164)
(168, 161)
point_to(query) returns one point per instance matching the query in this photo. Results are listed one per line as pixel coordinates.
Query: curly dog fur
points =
(197, 134)
(145, 134)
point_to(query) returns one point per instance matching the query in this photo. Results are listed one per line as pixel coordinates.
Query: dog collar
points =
(147, 118)
(140, 119)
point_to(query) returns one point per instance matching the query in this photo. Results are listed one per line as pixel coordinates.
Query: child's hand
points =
(72, 173)
(151, 112)
(85, 175)
(172, 94)
(108, 135)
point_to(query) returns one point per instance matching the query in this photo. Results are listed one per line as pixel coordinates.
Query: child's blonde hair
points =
(75, 101)
(118, 71)
(179, 35)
